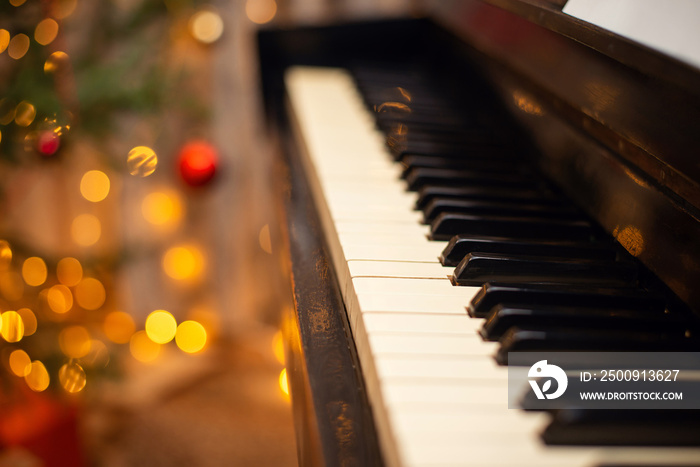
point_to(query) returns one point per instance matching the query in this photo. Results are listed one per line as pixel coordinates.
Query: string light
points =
(161, 326)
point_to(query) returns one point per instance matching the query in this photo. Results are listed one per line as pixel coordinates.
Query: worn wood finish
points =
(333, 419)
(619, 137)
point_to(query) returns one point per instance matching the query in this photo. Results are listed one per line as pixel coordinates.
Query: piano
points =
(484, 177)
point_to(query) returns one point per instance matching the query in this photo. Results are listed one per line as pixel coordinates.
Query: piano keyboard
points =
(437, 394)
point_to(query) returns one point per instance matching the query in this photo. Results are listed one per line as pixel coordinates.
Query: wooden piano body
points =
(610, 122)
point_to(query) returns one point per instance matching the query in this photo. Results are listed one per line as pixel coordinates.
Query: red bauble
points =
(47, 143)
(197, 162)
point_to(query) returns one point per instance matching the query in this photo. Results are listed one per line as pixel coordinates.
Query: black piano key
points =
(478, 163)
(445, 148)
(590, 427)
(478, 268)
(420, 176)
(524, 339)
(504, 316)
(460, 245)
(500, 208)
(493, 294)
(447, 225)
(510, 194)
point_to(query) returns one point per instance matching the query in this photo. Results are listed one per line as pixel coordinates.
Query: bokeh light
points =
(20, 363)
(161, 326)
(60, 299)
(98, 357)
(74, 341)
(278, 347)
(62, 8)
(86, 230)
(206, 26)
(11, 285)
(25, 113)
(118, 326)
(38, 377)
(72, 377)
(142, 348)
(141, 161)
(4, 39)
(162, 208)
(18, 46)
(264, 239)
(94, 186)
(12, 328)
(191, 337)
(69, 271)
(5, 255)
(34, 271)
(260, 11)
(90, 293)
(55, 62)
(17, 2)
(284, 383)
(29, 320)
(46, 31)
(184, 262)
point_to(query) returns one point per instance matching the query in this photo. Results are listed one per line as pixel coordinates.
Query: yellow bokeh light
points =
(17, 2)
(4, 39)
(5, 255)
(69, 271)
(284, 383)
(184, 262)
(12, 328)
(190, 337)
(264, 239)
(20, 363)
(72, 377)
(59, 298)
(142, 348)
(86, 230)
(11, 285)
(56, 61)
(90, 293)
(260, 11)
(74, 341)
(278, 347)
(18, 46)
(7, 111)
(94, 186)
(38, 378)
(34, 271)
(29, 320)
(119, 326)
(206, 26)
(46, 31)
(141, 161)
(162, 208)
(25, 113)
(161, 326)
(62, 8)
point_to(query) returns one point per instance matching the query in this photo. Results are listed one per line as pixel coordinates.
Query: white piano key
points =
(422, 253)
(390, 285)
(413, 303)
(359, 268)
(408, 323)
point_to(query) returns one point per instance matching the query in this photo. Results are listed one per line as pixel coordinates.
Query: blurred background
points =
(141, 281)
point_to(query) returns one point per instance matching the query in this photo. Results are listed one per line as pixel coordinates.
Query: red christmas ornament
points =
(197, 162)
(47, 143)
